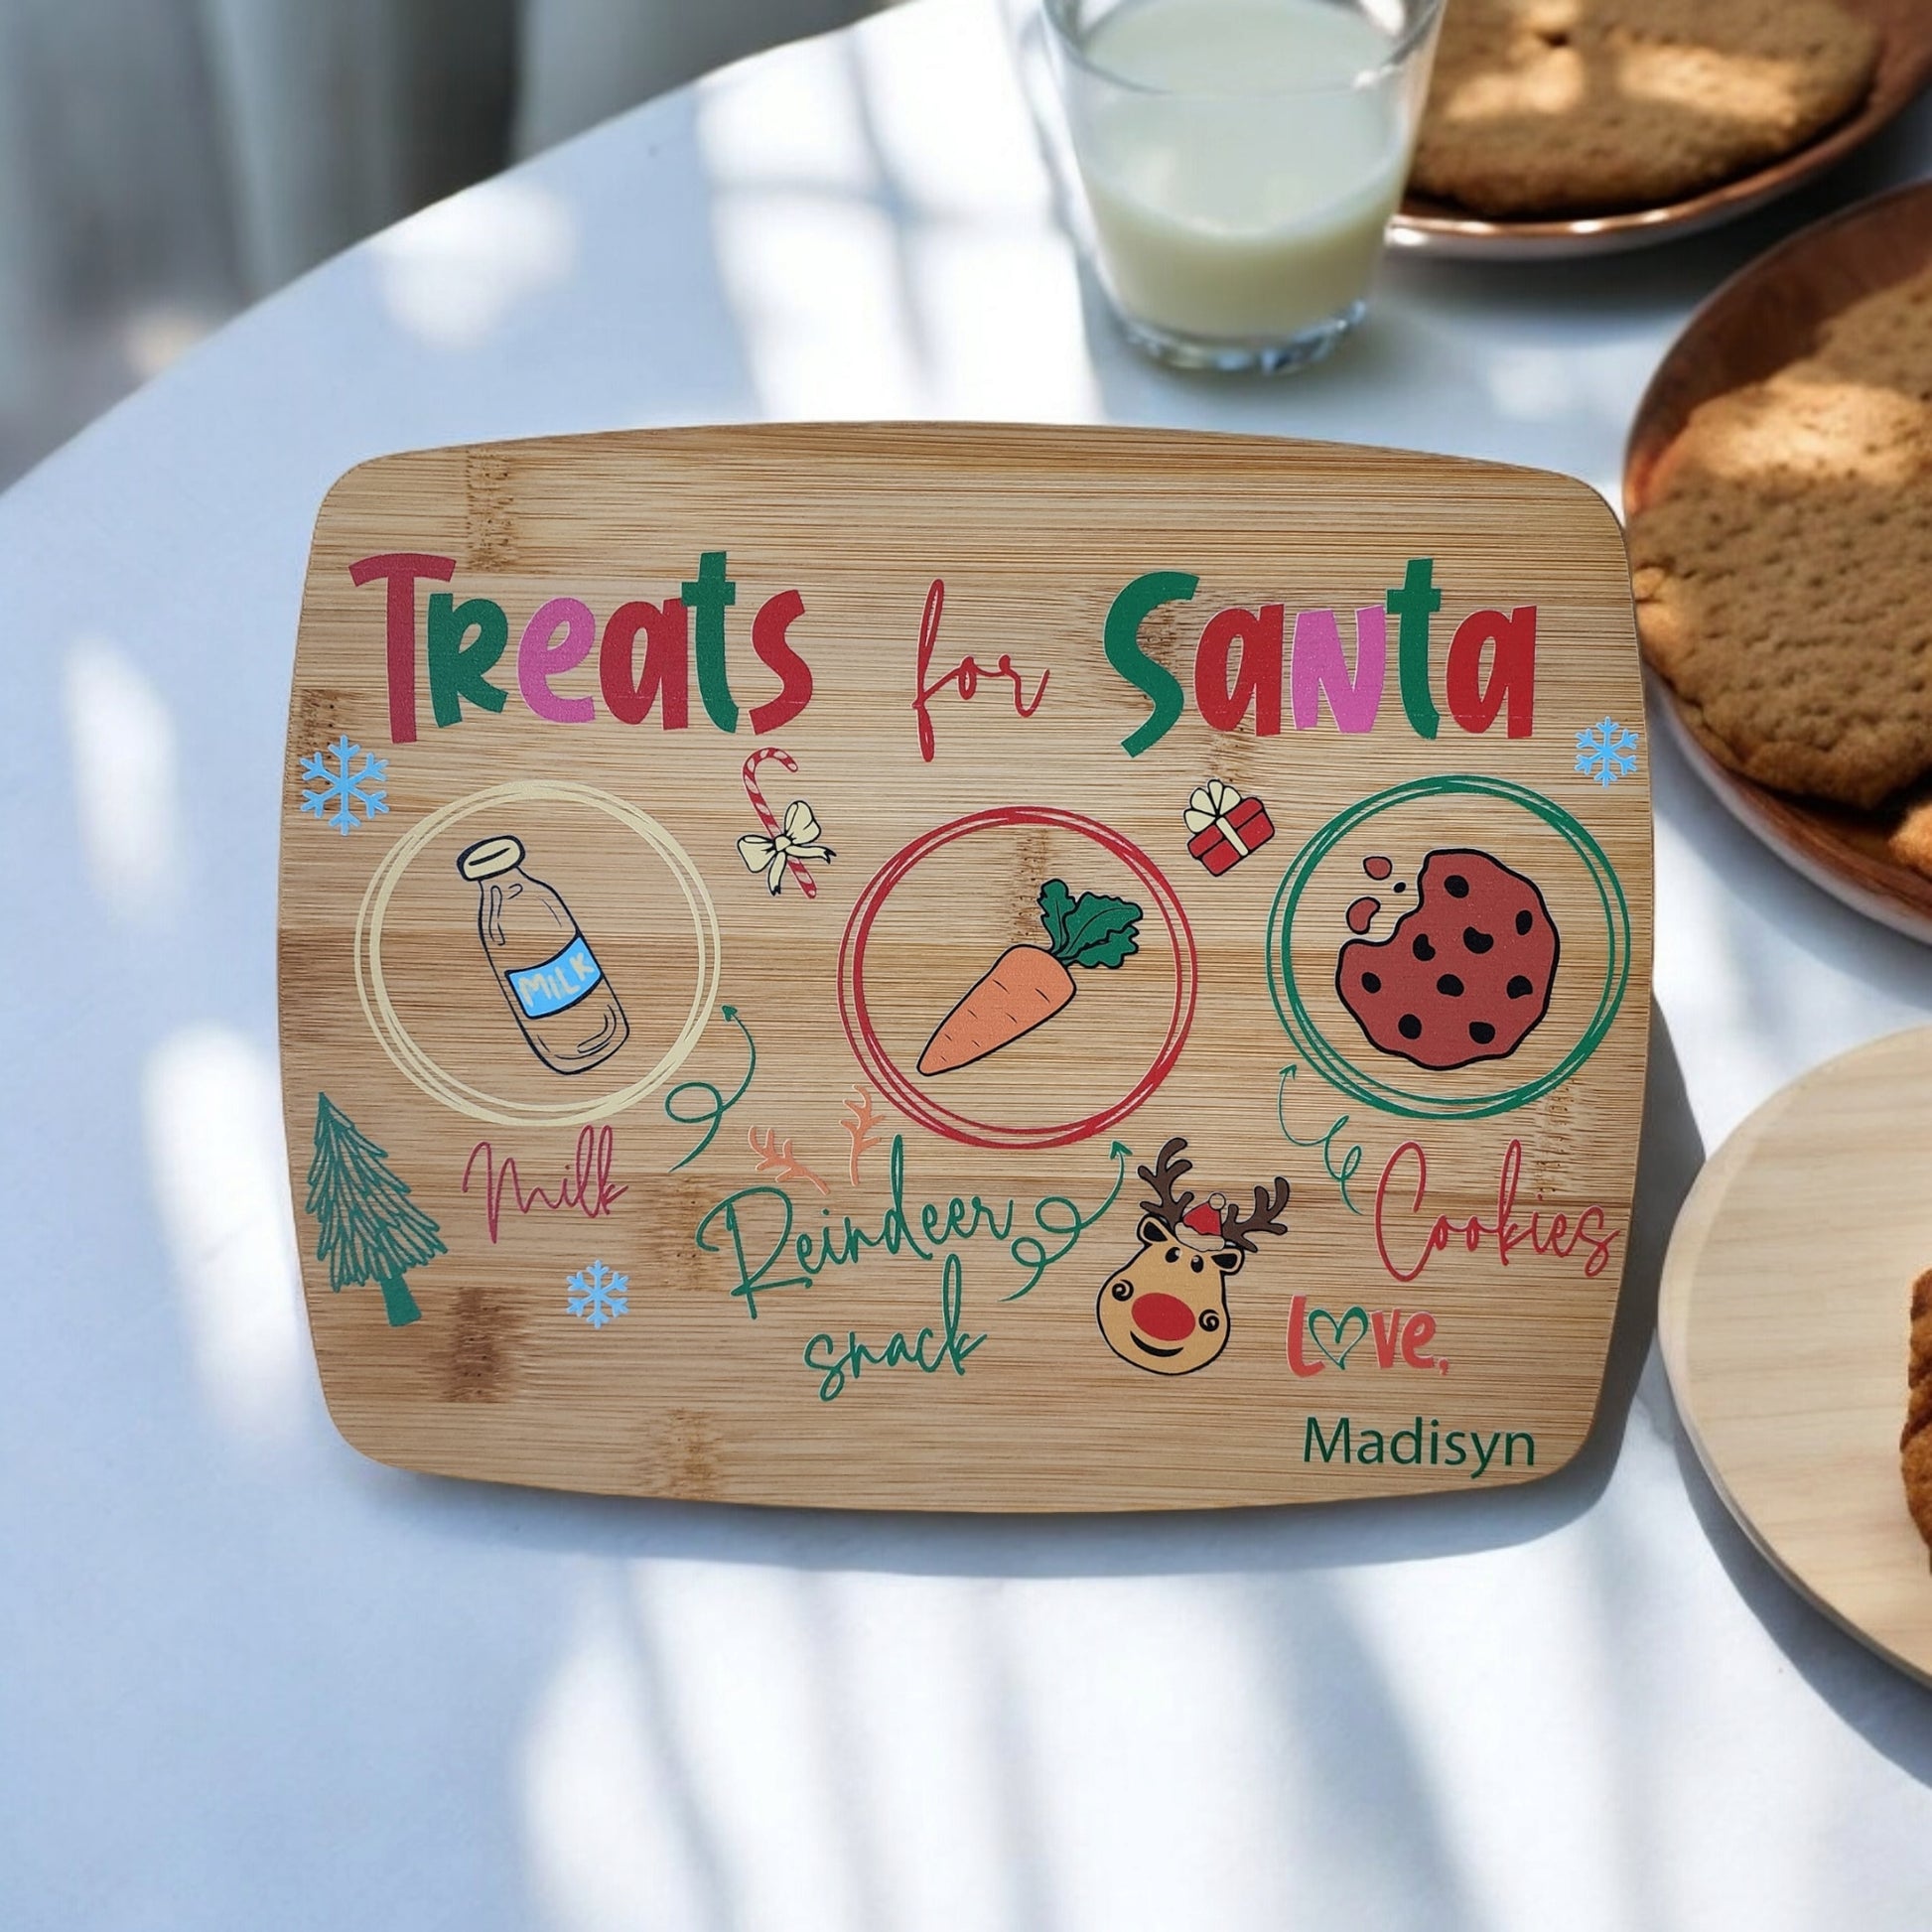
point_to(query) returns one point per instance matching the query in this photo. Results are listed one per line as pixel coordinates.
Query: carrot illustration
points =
(1029, 984)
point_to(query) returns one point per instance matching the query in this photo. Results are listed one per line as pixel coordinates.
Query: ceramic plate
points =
(1904, 67)
(1763, 319)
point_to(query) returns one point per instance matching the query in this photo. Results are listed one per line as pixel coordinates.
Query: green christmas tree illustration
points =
(370, 1230)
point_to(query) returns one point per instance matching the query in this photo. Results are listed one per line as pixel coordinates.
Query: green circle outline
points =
(1329, 1062)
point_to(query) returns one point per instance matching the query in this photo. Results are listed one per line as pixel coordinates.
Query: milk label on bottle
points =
(565, 1007)
(558, 983)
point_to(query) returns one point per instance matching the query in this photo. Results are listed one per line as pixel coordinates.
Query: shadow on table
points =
(1290, 1538)
(1878, 1701)
(1316, 1652)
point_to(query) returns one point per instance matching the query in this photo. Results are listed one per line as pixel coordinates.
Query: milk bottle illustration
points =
(566, 1007)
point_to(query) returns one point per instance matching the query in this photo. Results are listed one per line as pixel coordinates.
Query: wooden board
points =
(966, 669)
(1784, 1319)
(1762, 320)
(1904, 67)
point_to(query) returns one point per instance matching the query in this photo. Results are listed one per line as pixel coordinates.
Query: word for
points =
(1341, 1172)
(758, 1224)
(1490, 669)
(1369, 1445)
(1317, 1340)
(1588, 1233)
(463, 643)
(964, 677)
(836, 1366)
(585, 1185)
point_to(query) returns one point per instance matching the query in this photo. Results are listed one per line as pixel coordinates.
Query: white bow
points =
(797, 839)
(1209, 803)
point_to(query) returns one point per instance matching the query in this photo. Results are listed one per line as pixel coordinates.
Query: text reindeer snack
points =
(1173, 1035)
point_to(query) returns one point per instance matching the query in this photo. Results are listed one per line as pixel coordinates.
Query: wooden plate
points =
(1904, 67)
(1760, 320)
(636, 1150)
(1784, 1320)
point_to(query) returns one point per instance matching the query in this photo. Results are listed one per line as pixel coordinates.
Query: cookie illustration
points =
(1581, 107)
(1465, 974)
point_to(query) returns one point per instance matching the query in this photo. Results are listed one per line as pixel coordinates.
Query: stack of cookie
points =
(1915, 1440)
(1783, 560)
(1576, 107)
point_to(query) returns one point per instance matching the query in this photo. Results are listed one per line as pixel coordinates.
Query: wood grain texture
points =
(1904, 67)
(1034, 532)
(1764, 317)
(1785, 1318)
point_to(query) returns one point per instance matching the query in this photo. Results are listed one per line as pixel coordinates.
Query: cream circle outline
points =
(416, 1066)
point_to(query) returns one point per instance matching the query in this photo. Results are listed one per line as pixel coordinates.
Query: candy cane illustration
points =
(785, 846)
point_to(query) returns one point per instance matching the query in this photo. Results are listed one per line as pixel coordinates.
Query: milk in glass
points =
(1241, 172)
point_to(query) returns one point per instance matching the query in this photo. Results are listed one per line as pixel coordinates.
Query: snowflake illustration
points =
(346, 786)
(1607, 752)
(596, 1294)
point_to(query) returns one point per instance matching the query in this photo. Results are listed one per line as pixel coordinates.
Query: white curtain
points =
(583, 59)
(165, 162)
(337, 116)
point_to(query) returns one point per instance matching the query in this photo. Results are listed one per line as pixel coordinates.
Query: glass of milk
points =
(1240, 158)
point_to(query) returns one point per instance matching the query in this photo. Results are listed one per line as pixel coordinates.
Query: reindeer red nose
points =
(1205, 1219)
(1166, 1318)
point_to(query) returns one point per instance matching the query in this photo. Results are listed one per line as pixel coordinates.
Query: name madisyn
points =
(1347, 1443)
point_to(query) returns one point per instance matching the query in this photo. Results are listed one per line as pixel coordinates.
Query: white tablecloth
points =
(250, 1680)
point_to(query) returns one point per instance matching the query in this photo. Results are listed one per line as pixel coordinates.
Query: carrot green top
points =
(1092, 930)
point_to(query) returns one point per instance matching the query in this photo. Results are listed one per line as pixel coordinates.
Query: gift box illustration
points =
(1223, 827)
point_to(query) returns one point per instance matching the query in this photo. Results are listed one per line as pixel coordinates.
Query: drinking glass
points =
(1240, 160)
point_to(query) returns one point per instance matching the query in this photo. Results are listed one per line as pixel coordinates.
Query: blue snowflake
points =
(596, 1294)
(1607, 752)
(346, 786)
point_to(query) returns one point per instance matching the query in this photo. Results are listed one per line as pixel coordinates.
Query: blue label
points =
(559, 982)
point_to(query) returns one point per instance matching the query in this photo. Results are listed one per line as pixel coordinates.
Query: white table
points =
(252, 1681)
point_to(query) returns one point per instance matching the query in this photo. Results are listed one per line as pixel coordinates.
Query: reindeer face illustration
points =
(1166, 1309)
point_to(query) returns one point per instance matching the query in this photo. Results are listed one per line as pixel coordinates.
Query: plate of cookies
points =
(1795, 1318)
(1777, 496)
(1578, 127)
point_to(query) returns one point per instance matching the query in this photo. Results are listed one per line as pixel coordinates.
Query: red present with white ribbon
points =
(1226, 825)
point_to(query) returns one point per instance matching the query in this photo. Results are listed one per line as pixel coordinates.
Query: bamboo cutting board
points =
(964, 968)
(1786, 1319)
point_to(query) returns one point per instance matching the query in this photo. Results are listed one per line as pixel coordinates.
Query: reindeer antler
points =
(1236, 1227)
(1164, 1177)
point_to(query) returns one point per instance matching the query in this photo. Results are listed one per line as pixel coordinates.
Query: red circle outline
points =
(878, 1065)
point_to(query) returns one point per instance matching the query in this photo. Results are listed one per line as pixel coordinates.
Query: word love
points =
(1244, 657)
(1396, 1225)
(644, 651)
(585, 1185)
(1318, 1340)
